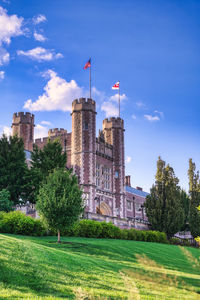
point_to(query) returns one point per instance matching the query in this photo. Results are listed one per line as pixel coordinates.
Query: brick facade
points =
(97, 161)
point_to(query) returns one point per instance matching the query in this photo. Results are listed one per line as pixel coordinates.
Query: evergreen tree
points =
(44, 161)
(60, 200)
(194, 190)
(185, 202)
(5, 203)
(13, 167)
(163, 205)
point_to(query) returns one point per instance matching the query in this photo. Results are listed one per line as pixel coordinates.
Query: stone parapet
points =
(82, 104)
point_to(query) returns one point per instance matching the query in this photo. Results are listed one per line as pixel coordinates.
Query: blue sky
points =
(152, 47)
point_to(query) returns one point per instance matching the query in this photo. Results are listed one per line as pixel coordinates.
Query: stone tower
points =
(83, 158)
(23, 126)
(113, 130)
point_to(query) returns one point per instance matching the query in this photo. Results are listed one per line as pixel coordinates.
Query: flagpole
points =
(90, 78)
(119, 102)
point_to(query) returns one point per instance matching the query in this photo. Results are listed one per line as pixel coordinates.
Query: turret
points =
(113, 130)
(83, 140)
(23, 126)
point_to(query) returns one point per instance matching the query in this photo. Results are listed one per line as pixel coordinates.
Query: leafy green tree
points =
(60, 200)
(198, 238)
(194, 191)
(44, 161)
(5, 203)
(13, 167)
(185, 202)
(163, 205)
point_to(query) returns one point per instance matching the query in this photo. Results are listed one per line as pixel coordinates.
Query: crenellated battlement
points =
(23, 118)
(83, 104)
(41, 141)
(113, 123)
(56, 132)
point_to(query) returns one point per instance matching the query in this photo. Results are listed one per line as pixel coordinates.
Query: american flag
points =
(88, 64)
(115, 86)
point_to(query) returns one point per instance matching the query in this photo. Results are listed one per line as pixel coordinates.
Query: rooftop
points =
(134, 191)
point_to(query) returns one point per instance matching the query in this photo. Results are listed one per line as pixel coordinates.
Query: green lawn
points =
(81, 268)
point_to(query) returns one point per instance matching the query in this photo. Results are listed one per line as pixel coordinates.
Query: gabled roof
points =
(134, 191)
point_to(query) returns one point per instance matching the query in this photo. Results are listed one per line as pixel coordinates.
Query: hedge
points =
(18, 223)
(95, 229)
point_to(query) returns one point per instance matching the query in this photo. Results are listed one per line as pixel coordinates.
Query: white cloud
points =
(46, 123)
(134, 117)
(141, 105)
(128, 159)
(39, 19)
(160, 113)
(151, 118)
(4, 56)
(40, 131)
(7, 131)
(39, 37)
(2, 75)
(115, 97)
(10, 26)
(110, 109)
(58, 94)
(40, 54)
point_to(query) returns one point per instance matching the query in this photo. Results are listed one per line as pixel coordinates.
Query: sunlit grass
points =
(80, 268)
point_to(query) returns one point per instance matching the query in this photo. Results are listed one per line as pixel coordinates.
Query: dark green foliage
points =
(185, 202)
(163, 205)
(60, 200)
(44, 161)
(18, 223)
(194, 190)
(181, 242)
(13, 167)
(95, 229)
(5, 203)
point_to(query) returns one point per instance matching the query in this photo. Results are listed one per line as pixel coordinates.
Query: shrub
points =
(88, 228)
(18, 223)
(110, 231)
(132, 234)
(175, 241)
(95, 229)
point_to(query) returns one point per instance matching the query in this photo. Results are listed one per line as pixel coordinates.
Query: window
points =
(116, 174)
(86, 126)
(129, 204)
(98, 169)
(106, 175)
(137, 207)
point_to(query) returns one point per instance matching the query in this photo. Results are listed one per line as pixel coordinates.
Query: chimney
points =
(139, 188)
(128, 180)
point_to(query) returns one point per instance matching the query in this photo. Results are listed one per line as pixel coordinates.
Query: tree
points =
(44, 161)
(163, 205)
(185, 202)
(194, 191)
(59, 201)
(13, 167)
(5, 203)
(198, 237)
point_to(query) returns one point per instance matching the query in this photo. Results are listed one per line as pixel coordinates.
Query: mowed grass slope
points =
(81, 268)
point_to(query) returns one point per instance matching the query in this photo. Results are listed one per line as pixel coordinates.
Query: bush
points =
(175, 241)
(181, 242)
(88, 228)
(95, 229)
(18, 223)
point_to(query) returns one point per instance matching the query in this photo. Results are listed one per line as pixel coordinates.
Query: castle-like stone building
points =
(98, 162)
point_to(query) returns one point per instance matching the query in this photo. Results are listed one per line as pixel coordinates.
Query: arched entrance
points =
(104, 209)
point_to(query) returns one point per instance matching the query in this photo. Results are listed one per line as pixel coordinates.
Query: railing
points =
(123, 223)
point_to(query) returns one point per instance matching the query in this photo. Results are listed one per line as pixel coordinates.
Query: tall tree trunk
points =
(58, 236)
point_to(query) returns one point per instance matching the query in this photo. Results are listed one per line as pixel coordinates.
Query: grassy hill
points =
(80, 268)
